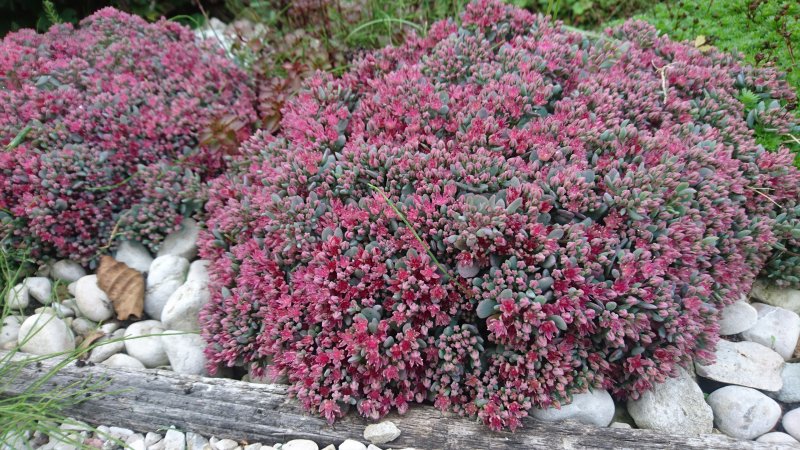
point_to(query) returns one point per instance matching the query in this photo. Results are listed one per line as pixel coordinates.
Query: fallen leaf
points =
(90, 339)
(123, 285)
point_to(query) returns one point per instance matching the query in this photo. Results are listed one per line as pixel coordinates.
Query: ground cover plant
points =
(497, 216)
(109, 130)
(766, 32)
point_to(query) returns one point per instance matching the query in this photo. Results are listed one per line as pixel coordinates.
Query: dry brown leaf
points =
(123, 285)
(90, 339)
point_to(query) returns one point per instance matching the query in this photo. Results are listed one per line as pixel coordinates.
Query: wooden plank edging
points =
(146, 400)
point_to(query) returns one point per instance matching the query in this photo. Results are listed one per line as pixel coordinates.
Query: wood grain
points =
(146, 400)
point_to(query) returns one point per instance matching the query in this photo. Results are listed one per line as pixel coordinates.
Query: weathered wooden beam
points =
(146, 400)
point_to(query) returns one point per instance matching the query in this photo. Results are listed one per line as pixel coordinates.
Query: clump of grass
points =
(36, 409)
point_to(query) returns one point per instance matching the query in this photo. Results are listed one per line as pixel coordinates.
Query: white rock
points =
(66, 270)
(737, 317)
(18, 297)
(185, 352)
(195, 441)
(71, 287)
(40, 288)
(746, 364)
(791, 423)
(350, 444)
(257, 446)
(151, 438)
(73, 305)
(42, 334)
(226, 444)
(109, 327)
(160, 445)
(776, 437)
(777, 328)
(381, 433)
(183, 307)
(123, 361)
(120, 433)
(147, 349)
(330, 447)
(62, 310)
(83, 326)
(183, 242)
(166, 275)
(9, 332)
(374, 447)
(134, 255)
(136, 442)
(300, 444)
(91, 300)
(107, 347)
(790, 392)
(743, 412)
(174, 440)
(676, 406)
(766, 292)
(198, 271)
(620, 425)
(594, 408)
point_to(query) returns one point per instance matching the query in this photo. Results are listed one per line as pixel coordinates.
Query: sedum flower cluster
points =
(496, 217)
(110, 129)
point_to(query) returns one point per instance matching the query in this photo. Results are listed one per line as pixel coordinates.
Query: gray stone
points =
(134, 255)
(40, 288)
(83, 326)
(350, 444)
(737, 317)
(183, 307)
(676, 406)
(381, 433)
(151, 438)
(767, 292)
(226, 444)
(777, 328)
(123, 360)
(108, 346)
(776, 437)
(166, 275)
(92, 301)
(300, 444)
(183, 242)
(790, 392)
(9, 332)
(143, 342)
(18, 297)
(791, 423)
(743, 412)
(185, 352)
(746, 364)
(174, 440)
(195, 441)
(67, 271)
(594, 408)
(43, 334)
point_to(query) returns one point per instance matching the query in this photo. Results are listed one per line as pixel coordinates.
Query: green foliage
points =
(584, 13)
(766, 32)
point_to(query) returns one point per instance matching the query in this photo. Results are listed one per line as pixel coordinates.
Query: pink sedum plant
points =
(494, 218)
(104, 131)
